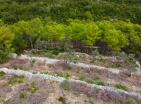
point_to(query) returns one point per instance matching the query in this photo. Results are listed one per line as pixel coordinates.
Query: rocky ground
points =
(73, 83)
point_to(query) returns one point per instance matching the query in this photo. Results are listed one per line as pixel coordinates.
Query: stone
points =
(13, 55)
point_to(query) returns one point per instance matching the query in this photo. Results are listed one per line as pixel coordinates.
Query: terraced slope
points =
(107, 85)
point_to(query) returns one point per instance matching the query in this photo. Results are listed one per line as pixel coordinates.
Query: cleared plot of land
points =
(84, 84)
(91, 75)
(21, 90)
(34, 83)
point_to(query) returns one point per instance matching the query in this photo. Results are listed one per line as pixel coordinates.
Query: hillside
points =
(70, 52)
(61, 10)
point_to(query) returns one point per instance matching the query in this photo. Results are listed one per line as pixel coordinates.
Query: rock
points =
(138, 66)
(13, 55)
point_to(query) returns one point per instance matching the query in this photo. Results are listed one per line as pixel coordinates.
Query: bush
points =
(96, 80)
(6, 39)
(21, 95)
(65, 85)
(114, 38)
(2, 73)
(32, 88)
(16, 80)
(130, 61)
(85, 32)
(132, 101)
(26, 34)
(122, 87)
(133, 34)
(62, 99)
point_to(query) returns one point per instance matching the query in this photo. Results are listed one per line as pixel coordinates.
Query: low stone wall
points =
(105, 93)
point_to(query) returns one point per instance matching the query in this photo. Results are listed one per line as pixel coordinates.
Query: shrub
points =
(82, 78)
(133, 33)
(62, 99)
(33, 88)
(90, 100)
(95, 56)
(132, 101)
(122, 87)
(65, 85)
(21, 95)
(130, 61)
(114, 38)
(96, 80)
(85, 32)
(26, 34)
(61, 74)
(16, 79)
(2, 73)
(6, 39)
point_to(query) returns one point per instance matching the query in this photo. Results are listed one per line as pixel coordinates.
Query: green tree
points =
(6, 39)
(114, 38)
(27, 32)
(86, 32)
(133, 34)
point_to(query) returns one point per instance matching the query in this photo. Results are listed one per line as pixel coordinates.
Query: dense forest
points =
(114, 24)
(61, 10)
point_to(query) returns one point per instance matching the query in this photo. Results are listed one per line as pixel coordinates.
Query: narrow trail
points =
(54, 61)
(61, 79)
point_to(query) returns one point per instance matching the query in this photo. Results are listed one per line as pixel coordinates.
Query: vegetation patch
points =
(16, 80)
(32, 88)
(22, 95)
(65, 85)
(90, 100)
(2, 73)
(62, 100)
(121, 87)
(96, 80)
(61, 74)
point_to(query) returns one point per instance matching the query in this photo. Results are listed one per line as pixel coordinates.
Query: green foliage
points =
(12, 11)
(32, 88)
(61, 74)
(114, 38)
(133, 34)
(115, 35)
(15, 80)
(129, 101)
(21, 95)
(86, 32)
(130, 61)
(132, 101)
(122, 87)
(2, 73)
(96, 80)
(90, 100)
(19, 67)
(65, 85)
(82, 78)
(26, 33)
(54, 31)
(95, 55)
(62, 99)
(6, 39)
